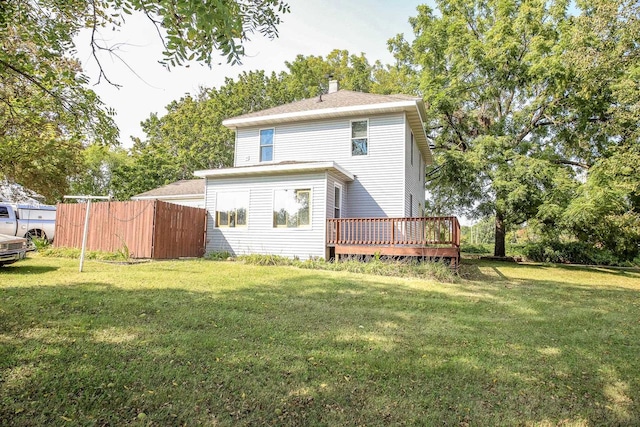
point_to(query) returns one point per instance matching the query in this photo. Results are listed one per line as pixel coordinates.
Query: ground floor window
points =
(292, 208)
(231, 209)
(410, 205)
(337, 201)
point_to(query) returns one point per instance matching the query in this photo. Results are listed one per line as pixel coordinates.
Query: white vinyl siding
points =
(247, 147)
(378, 189)
(260, 236)
(414, 184)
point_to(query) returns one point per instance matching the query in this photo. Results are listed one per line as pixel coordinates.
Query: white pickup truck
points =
(28, 221)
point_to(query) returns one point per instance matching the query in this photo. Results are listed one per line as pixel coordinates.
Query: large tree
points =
(494, 76)
(309, 76)
(603, 124)
(48, 115)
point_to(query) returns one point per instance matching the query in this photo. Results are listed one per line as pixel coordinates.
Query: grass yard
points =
(222, 343)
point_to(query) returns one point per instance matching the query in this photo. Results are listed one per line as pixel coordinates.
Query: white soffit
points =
(275, 169)
(387, 107)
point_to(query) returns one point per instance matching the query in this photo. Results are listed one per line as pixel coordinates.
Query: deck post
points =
(393, 232)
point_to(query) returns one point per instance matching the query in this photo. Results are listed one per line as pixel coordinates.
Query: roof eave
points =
(418, 114)
(275, 170)
(384, 107)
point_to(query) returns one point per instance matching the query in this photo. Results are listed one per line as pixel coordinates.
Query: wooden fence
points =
(144, 228)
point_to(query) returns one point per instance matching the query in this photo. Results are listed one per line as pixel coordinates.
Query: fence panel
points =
(179, 231)
(144, 228)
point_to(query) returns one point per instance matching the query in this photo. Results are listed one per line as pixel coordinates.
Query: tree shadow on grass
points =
(319, 349)
(21, 269)
(471, 270)
(618, 271)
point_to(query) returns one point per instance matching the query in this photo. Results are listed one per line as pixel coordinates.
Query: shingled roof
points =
(186, 187)
(341, 98)
(332, 104)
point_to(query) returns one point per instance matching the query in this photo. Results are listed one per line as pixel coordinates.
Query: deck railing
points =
(428, 231)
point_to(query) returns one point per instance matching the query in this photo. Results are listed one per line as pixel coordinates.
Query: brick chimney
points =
(333, 86)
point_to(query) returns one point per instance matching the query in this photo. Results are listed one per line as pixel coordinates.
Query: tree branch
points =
(550, 122)
(462, 145)
(155, 24)
(95, 47)
(572, 163)
(39, 84)
(532, 124)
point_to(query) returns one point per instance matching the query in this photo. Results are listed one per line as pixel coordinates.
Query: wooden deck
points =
(429, 237)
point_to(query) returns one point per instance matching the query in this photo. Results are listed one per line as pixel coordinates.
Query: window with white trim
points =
(266, 144)
(232, 209)
(337, 201)
(360, 137)
(412, 148)
(410, 205)
(292, 208)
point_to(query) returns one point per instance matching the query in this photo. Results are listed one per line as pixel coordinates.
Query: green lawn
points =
(222, 343)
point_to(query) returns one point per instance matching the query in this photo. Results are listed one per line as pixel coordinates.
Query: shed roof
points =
(185, 187)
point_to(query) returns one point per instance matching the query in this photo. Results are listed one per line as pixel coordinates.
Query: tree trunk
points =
(499, 249)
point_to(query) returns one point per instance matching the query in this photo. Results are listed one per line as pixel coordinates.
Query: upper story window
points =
(292, 208)
(266, 145)
(412, 144)
(231, 209)
(360, 137)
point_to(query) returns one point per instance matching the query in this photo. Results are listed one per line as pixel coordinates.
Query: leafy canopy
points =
(491, 74)
(524, 102)
(47, 114)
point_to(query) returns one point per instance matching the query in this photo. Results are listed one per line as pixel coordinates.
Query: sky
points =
(312, 27)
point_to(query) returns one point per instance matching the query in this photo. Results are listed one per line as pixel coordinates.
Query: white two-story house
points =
(340, 173)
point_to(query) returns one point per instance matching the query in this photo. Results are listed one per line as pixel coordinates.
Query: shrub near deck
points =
(203, 342)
